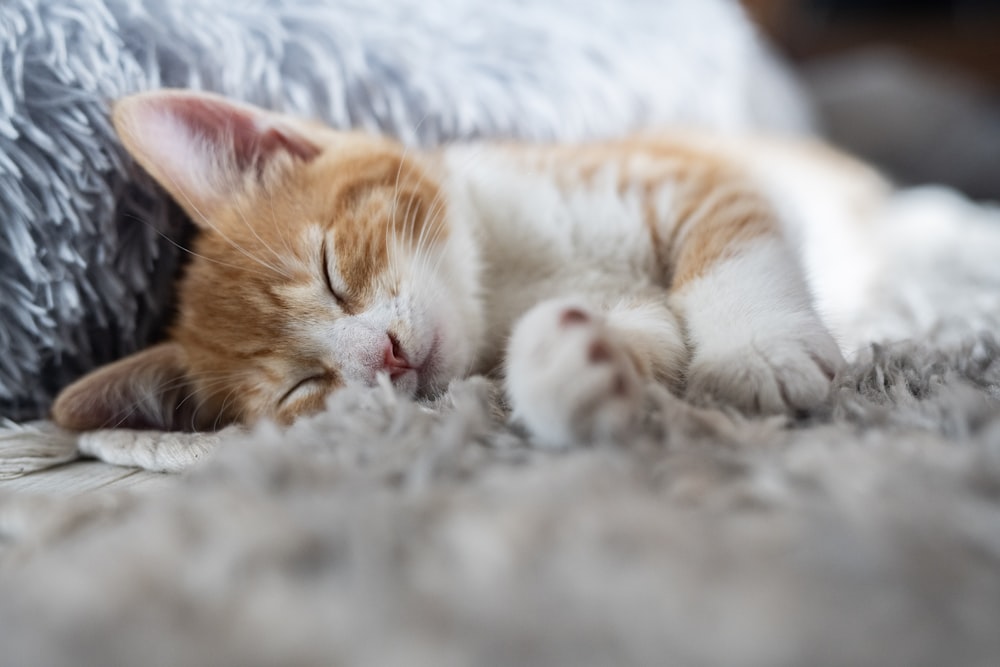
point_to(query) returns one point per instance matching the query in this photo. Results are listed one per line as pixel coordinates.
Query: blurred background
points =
(912, 85)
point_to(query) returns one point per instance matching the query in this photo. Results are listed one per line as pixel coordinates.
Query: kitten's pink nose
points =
(394, 360)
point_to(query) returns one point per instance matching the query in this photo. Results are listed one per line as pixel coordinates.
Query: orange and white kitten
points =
(326, 258)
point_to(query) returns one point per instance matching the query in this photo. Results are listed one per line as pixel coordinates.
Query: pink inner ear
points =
(274, 138)
(251, 136)
(200, 146)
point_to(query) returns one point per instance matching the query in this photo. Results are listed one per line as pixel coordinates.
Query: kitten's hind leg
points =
(575, 371)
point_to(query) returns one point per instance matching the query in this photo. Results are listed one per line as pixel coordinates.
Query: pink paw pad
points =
(572, 316)
(620, 386)
(599, 352)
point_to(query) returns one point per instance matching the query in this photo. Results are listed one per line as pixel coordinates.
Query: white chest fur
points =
(543, 234)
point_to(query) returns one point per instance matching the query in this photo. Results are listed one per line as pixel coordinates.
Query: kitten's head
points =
(323, 258)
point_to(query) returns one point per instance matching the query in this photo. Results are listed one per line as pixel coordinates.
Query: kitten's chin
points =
(420, 385)
(430, 380)
(446, 359)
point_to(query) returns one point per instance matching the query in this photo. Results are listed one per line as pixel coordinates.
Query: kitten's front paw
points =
(569, 377)
(782, 375)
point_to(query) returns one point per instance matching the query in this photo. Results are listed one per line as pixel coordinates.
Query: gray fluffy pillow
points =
(89, 247)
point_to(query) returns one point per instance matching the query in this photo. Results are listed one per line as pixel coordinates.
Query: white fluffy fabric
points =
(88, 246)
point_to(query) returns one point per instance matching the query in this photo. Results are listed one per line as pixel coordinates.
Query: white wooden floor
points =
(84, 476)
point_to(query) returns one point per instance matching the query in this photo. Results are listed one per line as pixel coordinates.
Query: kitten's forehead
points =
(370, 204)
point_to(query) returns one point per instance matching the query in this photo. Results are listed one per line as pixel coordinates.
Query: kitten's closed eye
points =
(337, 294)
(304, 387)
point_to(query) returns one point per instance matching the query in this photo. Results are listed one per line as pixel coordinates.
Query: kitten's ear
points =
(147, 390)
(202, 147)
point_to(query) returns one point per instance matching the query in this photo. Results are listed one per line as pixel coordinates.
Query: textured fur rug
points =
(384, 532)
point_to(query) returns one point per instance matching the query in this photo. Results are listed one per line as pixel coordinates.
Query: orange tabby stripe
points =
(717, 209)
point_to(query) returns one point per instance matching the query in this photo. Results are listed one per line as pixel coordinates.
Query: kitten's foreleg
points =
(575, 369)
(757, 342)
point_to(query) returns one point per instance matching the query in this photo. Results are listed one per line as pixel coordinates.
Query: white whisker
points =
(195, 254)
(280, 258)
(231, 242)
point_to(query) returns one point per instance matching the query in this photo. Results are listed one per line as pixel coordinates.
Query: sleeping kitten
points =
(581, 272)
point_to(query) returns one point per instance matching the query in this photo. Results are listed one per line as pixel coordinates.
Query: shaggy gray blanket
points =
(88, 246)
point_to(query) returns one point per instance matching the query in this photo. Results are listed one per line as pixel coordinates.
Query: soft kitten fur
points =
(580, 272)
